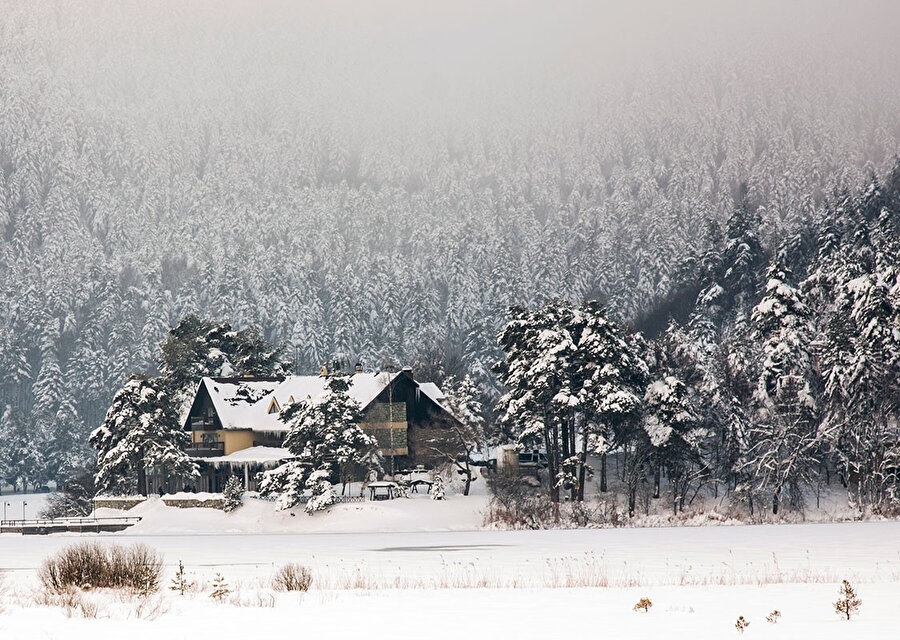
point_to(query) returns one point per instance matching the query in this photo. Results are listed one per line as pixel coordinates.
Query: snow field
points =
(677, 612)
(530, 584)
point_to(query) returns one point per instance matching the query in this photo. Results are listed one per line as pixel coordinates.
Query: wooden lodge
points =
(236, 429)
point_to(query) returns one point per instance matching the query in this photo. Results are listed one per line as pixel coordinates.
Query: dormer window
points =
(273, 406)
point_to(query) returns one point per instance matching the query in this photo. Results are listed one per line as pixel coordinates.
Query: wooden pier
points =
(67, 525)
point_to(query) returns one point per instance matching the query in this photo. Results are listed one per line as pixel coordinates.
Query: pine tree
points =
(220, 589)
(784, 446)
(324, 436)
(321, 490)
(140, 434)
(232, 493)
(180, 581)
(437, 489)
(848, 603)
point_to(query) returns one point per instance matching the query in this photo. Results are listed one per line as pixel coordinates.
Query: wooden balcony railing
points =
(205, 449)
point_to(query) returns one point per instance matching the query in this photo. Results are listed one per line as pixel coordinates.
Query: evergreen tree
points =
(139, 434)
(325, 438)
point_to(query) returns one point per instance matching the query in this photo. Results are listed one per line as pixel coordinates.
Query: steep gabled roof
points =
(244, 403)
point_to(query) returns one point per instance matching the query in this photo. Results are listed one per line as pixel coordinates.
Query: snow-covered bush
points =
(233, 492)
(437, 489)
(773, 617)
(741, 624)
(323, 495)
(292, 577)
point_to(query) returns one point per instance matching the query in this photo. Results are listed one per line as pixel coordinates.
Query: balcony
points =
(205, 449)
(202, 423)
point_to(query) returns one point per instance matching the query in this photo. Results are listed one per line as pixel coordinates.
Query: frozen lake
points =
(700, 555)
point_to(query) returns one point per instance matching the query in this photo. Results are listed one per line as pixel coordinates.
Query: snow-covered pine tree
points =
(140, 434)
(861, 354)
(537, 406)
(675, 434)
(232, 493)
(611, 373)
(437, 489)
(321, 491)
(324, 436)
(197, 347)
(784, 447)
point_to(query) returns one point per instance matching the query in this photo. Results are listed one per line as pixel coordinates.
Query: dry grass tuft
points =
(292, 577)
(90, 565)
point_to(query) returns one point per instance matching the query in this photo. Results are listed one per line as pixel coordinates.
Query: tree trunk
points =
(603, 487)
(553, 465)
(551, 454)
(468, 475)
(657, 472)
(581, 470)
(142, 478)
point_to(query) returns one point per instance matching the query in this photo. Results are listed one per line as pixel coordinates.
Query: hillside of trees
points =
(329, 176)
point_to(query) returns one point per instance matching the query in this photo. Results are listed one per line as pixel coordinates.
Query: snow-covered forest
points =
(382, 181)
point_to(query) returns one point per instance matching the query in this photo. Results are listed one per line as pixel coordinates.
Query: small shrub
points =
(848, 602)
(220, 589)
(437, 489)
(773, 617)
(643, 604)
(180, 582)
(92, 565)
(233, 492)
(741, 624)
(292, 577)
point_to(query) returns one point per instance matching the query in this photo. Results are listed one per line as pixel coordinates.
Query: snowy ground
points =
(418, 513)
(496, 583)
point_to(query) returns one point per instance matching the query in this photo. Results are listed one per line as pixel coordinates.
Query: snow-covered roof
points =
(434, 392)
(248, 404)
(252, 454)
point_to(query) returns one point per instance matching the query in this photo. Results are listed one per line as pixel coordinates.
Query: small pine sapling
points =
(220, 588)
(437, 489)
(848, 602)
(180, 582)
(233, 492)
(147, 582)
(773, 617)
(643, 604)
(741, 624)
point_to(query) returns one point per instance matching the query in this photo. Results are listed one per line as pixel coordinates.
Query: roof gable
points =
(246, 403)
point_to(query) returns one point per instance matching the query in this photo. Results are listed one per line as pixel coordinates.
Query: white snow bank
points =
(418, 513)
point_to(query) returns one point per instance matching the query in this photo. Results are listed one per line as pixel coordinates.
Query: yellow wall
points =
(234, 440)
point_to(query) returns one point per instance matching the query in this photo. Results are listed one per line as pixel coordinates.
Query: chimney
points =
(358, 368)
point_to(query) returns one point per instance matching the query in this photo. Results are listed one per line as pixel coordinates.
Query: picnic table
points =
(415, 484)
(381, 490)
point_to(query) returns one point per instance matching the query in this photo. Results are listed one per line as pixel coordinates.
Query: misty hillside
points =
(382, 183)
